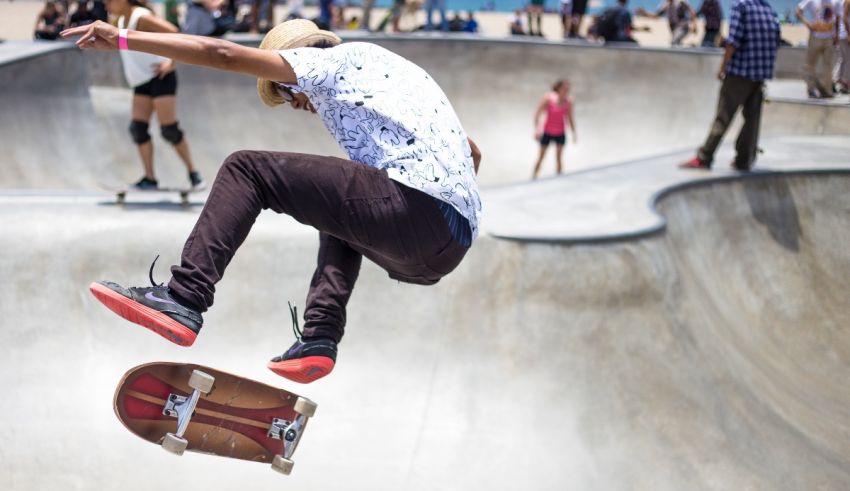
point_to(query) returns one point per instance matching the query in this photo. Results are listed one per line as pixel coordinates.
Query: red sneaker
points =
(308, 359)
(695, 163)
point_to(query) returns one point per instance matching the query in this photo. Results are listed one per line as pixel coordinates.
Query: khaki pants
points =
(819, 78)
(843, 71)
(734, 93)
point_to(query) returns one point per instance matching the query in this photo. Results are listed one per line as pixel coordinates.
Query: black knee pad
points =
(139, 132)
(172, 133)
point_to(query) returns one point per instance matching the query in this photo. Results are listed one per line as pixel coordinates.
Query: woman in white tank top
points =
(154, 85)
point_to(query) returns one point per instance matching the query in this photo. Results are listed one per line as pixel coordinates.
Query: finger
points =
(73, 31)
(87, 38)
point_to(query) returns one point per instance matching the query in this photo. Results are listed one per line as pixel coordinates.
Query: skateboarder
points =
(154, 83)
(407, 199)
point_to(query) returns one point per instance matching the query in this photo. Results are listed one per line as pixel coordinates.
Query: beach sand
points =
(17, 20)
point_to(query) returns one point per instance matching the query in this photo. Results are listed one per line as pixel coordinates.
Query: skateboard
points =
(122, 191)
(200, 409)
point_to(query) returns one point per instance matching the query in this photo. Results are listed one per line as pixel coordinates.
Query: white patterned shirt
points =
(388, 113)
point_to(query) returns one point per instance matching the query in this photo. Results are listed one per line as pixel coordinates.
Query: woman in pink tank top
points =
(558, 107)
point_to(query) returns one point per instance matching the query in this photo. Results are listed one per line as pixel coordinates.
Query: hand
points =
(575, 138)
(164, 68)
(538, 135)
(99, 35)
(721, 74)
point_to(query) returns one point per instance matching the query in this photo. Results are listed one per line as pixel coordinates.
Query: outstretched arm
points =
(186, 48)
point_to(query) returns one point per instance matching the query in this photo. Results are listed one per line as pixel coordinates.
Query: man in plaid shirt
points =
(748, 61)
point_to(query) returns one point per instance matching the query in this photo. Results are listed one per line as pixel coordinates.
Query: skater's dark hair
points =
(322, 44)
(560, 83)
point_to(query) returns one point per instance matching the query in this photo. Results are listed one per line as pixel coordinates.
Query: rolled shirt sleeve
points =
(736, 29)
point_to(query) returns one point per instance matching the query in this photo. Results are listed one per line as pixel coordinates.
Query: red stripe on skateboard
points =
(145, 410)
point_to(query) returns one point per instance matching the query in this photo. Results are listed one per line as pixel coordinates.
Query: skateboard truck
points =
(183, 408)
(290, 433)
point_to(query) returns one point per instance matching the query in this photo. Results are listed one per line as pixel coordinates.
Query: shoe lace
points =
(150, 272)
(293, 311)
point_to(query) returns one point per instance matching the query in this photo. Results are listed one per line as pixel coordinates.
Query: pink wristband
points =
(122, 39)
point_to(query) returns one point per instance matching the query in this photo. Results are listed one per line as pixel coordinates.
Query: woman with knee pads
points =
(154, 85)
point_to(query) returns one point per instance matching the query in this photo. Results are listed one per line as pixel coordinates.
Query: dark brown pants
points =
(734, 93)
(358, 210)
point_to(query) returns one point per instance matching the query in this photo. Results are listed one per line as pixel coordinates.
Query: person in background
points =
(172, 13)
(680, 17)
(517, 25)
(338, 16)
(82, 15)
(456, 24)
(748, 60)
(98, 10)
(843, 75)
(558, 107)
(566, 8)
(200, 17)
(820, 17)
(154, 84)
(367, 6)
(440, 5)
(49, 22)
(712, 12)
(535, 15)
(579, 8)
(396, 12)
(471, 24)
(615, 24)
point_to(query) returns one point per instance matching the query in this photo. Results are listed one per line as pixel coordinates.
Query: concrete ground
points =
(625, 326)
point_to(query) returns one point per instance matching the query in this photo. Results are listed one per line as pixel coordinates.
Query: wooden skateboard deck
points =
(237, 418)
(121, 192)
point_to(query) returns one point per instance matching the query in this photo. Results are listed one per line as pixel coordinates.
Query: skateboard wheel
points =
(174, 444)
(305, 407)
(284, 466)
(201, 381)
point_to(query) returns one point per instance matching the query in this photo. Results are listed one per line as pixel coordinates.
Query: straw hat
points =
(297, 33)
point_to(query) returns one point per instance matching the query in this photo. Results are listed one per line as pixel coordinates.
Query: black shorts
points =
(546, 139)
(158, 87)
(579, 7)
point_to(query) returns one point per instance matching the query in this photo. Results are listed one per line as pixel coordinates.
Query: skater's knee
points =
(240, 159)
(172, 133)
(139, 132)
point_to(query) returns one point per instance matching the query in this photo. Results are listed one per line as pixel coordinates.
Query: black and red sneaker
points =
(695, 163)
(153, 307)
(308, 359)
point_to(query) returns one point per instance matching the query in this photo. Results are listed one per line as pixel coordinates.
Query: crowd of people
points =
(218, 17)
(827, 68)
(59, 14)
(828, 22)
